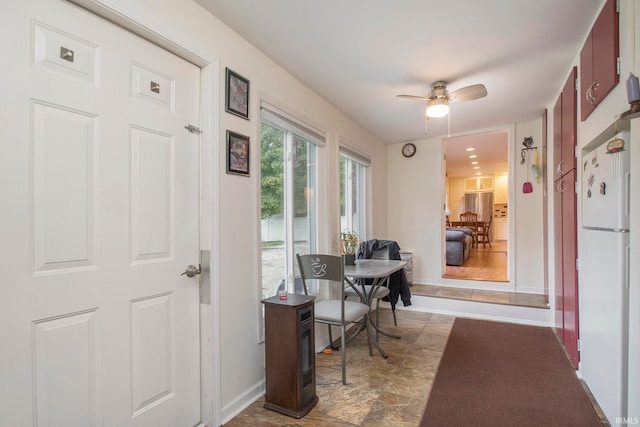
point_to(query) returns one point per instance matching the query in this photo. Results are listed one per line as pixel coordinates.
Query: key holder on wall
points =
(527, 186)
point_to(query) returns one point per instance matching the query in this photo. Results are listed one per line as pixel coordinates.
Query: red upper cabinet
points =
(557, 138)
(564, 128)
(569, 123)
(599, 60)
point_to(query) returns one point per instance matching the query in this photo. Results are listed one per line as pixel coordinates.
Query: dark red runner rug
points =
(502, 374)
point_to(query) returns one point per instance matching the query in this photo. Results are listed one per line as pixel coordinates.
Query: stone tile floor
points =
(379, 392)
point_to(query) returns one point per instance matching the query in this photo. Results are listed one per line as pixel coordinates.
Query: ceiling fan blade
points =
(468, 93)
(421, 98)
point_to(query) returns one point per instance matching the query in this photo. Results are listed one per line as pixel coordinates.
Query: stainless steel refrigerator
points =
(603, 287)
(480, 203)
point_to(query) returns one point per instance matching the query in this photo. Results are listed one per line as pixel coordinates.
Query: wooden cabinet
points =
(501, 228)
(564, 128)
(290, 355)
(482, 183)
(565, 218)
(501, 189)
(599, 60)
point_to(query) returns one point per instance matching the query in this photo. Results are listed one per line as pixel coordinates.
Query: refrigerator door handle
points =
(626, 266)
(627, 193)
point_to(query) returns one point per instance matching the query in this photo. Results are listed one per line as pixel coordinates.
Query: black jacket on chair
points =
(398, 284)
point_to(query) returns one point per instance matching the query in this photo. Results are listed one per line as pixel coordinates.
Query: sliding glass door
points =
(288, 202)
(352, 188)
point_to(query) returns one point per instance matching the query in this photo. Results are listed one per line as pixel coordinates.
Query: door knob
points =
(192, 270)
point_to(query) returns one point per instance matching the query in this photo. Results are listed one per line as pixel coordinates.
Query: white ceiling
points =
(490, 150)
(359, 54)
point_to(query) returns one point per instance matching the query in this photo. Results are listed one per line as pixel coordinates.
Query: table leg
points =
(372, 325)
(375, 325)
(373, 338)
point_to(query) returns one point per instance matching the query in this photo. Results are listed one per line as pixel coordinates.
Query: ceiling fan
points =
(439, 97)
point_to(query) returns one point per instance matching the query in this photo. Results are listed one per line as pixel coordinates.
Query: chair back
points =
(322, 267)
(333, 311)
(470, 217)
(470, 220)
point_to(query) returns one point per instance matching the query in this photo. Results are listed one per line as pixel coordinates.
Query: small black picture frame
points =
(237, 94)
(238, 149)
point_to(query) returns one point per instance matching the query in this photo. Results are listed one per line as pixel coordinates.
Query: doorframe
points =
(511, 191)
(135, 21)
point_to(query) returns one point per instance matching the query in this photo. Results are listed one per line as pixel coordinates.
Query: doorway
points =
(477, 181)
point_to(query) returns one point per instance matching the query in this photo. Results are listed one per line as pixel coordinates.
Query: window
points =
(352, 191)
(288, 201)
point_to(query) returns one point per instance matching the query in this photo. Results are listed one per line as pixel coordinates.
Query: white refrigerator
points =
(603, 289)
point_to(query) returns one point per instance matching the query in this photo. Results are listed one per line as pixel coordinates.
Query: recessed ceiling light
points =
(478, 173)
(474, 163)
(470, 149)
(476, 167)
(473, 156)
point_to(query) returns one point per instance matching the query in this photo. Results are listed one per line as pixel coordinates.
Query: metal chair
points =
(470, 220)
(333, 312)
(381, 291)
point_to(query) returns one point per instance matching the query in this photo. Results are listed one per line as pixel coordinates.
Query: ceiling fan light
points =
(438, 107)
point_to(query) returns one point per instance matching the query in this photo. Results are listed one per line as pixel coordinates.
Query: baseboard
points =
(243, 401)
(530, 290)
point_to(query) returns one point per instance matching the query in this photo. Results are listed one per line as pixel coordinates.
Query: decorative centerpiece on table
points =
(348, 240)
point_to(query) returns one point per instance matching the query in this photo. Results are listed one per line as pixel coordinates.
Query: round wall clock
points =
(408, 150)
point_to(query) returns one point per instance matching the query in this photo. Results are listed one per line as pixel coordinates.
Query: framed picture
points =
(237, 153)
(237, 96)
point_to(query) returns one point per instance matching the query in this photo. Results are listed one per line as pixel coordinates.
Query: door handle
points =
(591, 98)
(192, 270)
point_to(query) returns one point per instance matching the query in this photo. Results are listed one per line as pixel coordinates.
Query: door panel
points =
(569, 122)
(102, 180)
(63, 188)
(558, 267)
(557, 138)
(569, 271)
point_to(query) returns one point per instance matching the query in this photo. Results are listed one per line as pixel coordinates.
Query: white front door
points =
(99, 198)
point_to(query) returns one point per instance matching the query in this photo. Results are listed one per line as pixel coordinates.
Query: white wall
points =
(525, 214)
(416, 206)
(236, 238)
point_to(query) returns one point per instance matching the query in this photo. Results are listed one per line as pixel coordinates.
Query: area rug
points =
(502, 374)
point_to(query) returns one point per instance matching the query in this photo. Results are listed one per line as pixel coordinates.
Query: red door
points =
(569, 272)
(564, 217)
(557, 244)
